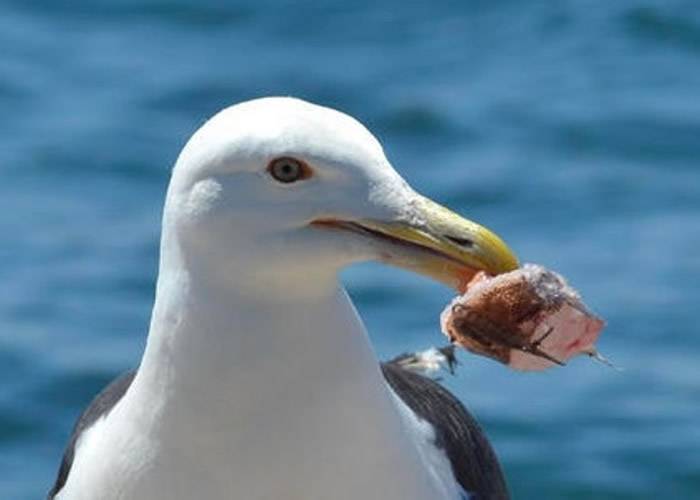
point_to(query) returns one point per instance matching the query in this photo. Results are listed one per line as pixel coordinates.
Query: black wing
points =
(474, 463)
(101, 405)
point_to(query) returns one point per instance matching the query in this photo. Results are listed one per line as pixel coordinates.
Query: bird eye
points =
(288, 170)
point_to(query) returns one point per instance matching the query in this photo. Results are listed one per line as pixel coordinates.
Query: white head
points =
(278, 193)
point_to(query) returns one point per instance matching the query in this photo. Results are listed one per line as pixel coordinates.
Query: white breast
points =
(114, 461)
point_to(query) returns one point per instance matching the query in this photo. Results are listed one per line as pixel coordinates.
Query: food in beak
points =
(528, 319)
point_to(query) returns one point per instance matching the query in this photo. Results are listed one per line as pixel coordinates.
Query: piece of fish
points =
(528, 319)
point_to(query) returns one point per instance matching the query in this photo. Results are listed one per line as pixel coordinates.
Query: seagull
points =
(258, 381)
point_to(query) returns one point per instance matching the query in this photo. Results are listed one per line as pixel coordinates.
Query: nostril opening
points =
(463, 242)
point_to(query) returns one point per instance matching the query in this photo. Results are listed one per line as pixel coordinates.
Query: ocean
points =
(571, 128)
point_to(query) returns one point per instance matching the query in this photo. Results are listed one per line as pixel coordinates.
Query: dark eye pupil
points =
(287, 171)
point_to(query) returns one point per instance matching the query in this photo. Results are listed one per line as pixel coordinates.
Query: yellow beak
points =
(438, 243)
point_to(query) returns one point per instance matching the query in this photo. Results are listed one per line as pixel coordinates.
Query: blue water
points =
(572, 128)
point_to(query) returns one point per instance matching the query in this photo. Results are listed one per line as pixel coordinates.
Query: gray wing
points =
(474, 463)
(101, 405)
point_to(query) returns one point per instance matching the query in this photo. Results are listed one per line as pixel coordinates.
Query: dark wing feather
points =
(101, 405)
(474, 463)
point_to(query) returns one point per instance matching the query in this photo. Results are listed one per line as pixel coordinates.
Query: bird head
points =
(279, 193)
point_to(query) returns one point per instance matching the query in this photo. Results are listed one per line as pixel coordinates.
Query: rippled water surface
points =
(571, 128)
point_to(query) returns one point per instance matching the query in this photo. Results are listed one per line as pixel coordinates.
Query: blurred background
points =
(572, 128)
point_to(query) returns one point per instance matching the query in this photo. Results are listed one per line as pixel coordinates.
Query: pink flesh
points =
(574, 333)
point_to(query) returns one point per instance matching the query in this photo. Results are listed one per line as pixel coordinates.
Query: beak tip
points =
(502, 258)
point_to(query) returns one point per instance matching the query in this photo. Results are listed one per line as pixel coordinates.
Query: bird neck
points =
(256, 349)
(292, 382)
